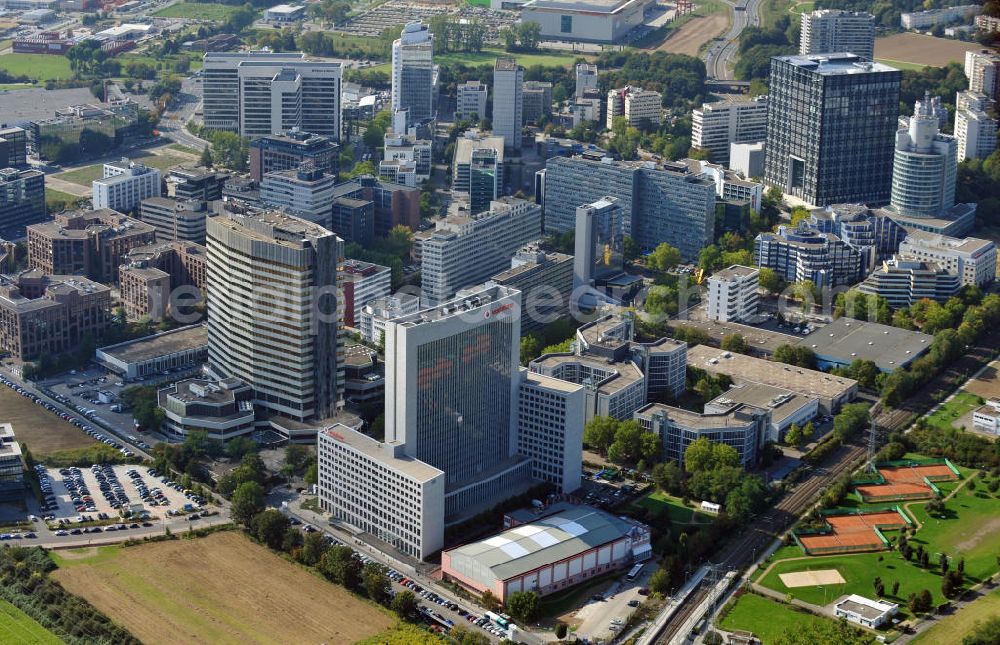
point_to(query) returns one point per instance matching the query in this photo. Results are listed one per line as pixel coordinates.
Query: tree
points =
(314, 545)
(984, 632)
(659, 582)
(405, 605)
(342, 565)
(206, 158)
(943, 563)
(668, 477)
(879, 587)
(794, 435)
(735, 343)
(462, 635)
(248, 500)
(297, 456)
(663, 258)
(523, 605)
(747, 499)
(769, 279)
(237, 447)
(920, 602)
(824, 631)
(599, 433)
(630, 250)
(376, 582)
(704, 455)
(948, 587)
(269, 527)
(895, 588)
(488, 600)
(311, 476)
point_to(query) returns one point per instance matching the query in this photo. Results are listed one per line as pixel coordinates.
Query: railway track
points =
(757, 536)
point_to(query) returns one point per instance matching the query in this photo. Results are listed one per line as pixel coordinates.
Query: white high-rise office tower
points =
(261, 93)
(831, 31)
(413, 77)
(272, 303)
(732, 294)
(924, 166)
(715, 126)
(508, 101)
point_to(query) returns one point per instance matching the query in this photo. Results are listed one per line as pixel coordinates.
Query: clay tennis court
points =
(906, 482)
(853, 532)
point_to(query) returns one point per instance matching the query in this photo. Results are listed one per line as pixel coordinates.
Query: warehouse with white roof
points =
(548, 554)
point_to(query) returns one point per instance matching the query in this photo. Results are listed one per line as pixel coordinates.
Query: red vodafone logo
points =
(499, 310)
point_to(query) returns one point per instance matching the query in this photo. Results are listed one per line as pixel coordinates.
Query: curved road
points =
(721, 56)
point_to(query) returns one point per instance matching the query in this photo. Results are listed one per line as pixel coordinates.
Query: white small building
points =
(865, 611)
(711, 508)
(987, 417)
(732, 294)
(285, 13)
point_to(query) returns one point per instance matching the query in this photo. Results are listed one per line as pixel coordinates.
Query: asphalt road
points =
(185, 105)
(721, 57)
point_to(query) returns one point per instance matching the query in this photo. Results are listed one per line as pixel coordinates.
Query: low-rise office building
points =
(196, 182)
(831, 391)
(785, 408)
(174, 218)
(972, 259)
(222, 409)
(716, 126)
(865, 611)
(290, 150)
(306, 192)
(145, 292)
(740, 426)
(987, 417)
(548, 554)
(91, 243)
(43, 314)
(392, 204)
(903, 281)
(364, 381)
(803, 253)
(845, 340)
(471, 102)
(184, 348)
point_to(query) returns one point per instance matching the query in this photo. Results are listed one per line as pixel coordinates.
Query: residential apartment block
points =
(732, 294)
(716, 126)
(175, 218)
(975, 129)
(641, 108)
(831, 31)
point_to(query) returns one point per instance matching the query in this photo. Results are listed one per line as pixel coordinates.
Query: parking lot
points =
(110, 491)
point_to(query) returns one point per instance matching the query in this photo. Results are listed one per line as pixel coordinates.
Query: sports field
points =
(921, 49)
(858, 571)
(41, 67)
(987, 384)
(854, 532)
(42, 431)
(766, 618)
(956, 408)
(951, 629)
(18, 627)
(219, 589)
(969, 528)
(198, 11)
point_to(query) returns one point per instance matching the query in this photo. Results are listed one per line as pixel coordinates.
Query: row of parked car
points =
(482, 622)
(76, 421)
(98, 529)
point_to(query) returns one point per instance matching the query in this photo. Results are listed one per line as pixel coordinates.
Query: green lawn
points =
(86, 174)
(959, 405)
(18, 627)
(970, 530)
(951, 629)
(179, 148)
(859, 571)
(16, 86)
(478, 3)
(41, 67)
(54, 198)
(899, 64)
(802, 7)
(678, 513)
(98, 555)
(766, 618)
(198, 11)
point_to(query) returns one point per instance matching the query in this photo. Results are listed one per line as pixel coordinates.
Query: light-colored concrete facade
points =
(716, 126)
(471, 102)
(732, 294)
(829, 31)
(508, 111)
(550, 420)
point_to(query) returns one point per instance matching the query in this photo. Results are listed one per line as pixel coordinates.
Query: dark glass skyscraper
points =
(831, 128)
